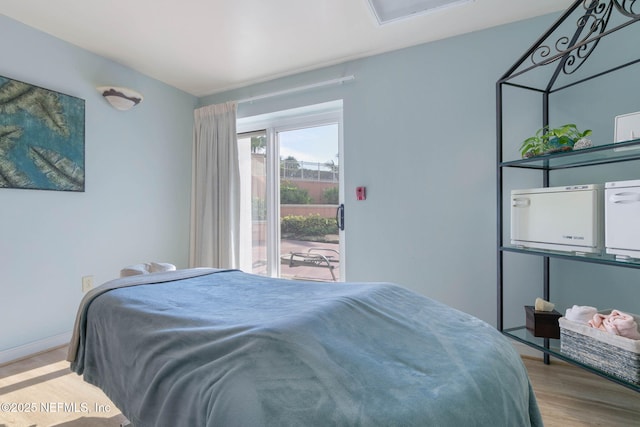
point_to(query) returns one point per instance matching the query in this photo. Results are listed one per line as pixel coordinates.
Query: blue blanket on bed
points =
(233, 349)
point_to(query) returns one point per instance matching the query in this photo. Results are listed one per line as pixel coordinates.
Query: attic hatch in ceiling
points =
(394, 10)
(579, 46)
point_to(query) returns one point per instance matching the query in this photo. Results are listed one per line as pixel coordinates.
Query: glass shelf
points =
(523, 335)
(599, 155)
(606, 259)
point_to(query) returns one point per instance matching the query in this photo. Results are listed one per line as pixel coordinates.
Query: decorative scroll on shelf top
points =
(590, 27)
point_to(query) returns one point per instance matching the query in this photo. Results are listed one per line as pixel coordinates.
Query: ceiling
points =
(208, 46)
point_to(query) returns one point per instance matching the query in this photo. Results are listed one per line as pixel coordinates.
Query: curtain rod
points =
(331, 82)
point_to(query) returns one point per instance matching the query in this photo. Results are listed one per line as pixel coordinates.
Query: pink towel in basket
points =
(617, 323)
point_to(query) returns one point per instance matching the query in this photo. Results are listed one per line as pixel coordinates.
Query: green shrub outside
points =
(292, 195)
(307, 226)
(330, 196)
(258, 209)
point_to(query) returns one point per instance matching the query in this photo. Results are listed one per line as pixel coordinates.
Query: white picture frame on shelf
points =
(627, 128)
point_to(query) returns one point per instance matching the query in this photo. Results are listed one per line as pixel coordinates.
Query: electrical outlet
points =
(87, 283)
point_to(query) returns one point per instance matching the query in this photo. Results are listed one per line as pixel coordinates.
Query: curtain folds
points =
(215, 196)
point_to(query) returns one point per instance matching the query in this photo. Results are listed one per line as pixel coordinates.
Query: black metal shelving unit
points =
(553, 63)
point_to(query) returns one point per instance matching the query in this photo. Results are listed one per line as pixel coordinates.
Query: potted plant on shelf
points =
(547, 140)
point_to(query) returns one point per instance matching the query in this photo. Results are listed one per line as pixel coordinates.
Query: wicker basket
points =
(613, 354)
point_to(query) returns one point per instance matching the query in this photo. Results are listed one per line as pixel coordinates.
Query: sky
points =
(316, 144)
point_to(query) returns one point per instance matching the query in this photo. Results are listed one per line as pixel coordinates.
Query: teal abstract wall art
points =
(41, 138)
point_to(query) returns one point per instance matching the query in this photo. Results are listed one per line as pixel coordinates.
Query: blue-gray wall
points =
(136, 204)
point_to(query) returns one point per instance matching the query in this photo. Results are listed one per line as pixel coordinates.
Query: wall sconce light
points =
(120, 98)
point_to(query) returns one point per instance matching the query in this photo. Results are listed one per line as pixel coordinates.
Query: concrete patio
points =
(319, 272)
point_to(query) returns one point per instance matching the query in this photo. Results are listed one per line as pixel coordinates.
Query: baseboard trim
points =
(33, 348)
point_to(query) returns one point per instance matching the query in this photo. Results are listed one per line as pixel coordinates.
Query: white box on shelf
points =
(566, 218)
(627, 128)
(622, 218)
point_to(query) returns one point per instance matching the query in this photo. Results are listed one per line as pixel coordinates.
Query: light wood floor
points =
(567, 396)
(55, 396)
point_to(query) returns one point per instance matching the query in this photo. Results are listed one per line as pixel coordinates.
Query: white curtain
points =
(215, 196)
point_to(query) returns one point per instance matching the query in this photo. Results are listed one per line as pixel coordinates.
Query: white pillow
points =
(155, 267)
(134, 270)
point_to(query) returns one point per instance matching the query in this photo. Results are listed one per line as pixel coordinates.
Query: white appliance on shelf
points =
(559, 218)
(627, 128)
(622, 218)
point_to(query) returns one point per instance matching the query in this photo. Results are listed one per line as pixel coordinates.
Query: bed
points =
(208, 347)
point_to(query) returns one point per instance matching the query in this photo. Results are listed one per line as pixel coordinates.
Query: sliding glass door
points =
(309, 182)
(291, 192)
